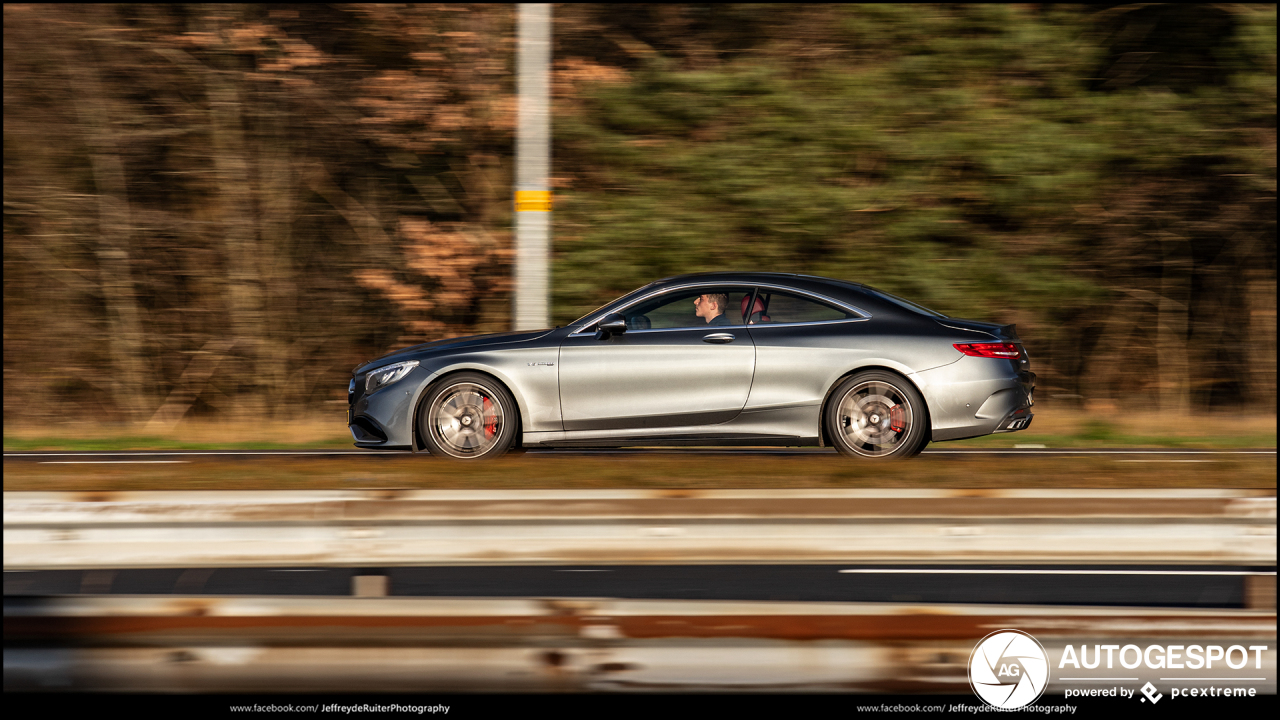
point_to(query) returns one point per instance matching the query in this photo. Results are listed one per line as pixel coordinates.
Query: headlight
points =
(388, 374)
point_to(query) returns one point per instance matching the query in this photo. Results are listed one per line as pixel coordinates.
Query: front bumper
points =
(383, 419)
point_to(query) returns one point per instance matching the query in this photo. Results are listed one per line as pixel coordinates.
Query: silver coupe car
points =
(708, 359)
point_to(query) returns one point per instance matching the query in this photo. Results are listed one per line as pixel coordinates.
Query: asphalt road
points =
(180, 456)
(1149, 586)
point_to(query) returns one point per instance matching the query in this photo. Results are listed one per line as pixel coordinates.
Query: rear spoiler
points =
(1007, 333)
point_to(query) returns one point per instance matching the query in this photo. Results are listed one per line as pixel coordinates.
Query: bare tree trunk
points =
(239, 220)
(364, 223)
(125, 339)
(1171, 328)
(1260, 296)
(276, 190)
(1105, 362)
(202, 366)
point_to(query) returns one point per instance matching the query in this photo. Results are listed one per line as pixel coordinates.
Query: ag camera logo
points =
(1009, 669)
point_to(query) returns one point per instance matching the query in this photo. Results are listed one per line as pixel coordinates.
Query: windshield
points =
(611, 302)
(902, 302)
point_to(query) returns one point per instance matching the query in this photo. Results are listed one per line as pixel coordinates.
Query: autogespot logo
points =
(1009, 669)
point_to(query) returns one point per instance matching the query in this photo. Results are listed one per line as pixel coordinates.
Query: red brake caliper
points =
(490, 420)
(896, 418)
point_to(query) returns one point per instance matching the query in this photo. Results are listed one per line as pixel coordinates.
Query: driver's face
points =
(705, 307)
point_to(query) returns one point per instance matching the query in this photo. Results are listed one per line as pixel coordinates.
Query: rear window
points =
(780, 307)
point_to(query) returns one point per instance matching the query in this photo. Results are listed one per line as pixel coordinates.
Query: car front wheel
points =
(877, 415)
(468, 417)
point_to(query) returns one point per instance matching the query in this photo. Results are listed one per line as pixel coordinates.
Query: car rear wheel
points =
(877, 415)
(468, 417)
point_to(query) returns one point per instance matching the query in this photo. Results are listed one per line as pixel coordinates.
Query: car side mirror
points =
(612, 324)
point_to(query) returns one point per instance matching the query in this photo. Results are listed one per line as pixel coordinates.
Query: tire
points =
(877, 415)
(468, 416)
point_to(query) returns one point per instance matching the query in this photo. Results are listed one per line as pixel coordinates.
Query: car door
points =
(672, 367)
(803, 343)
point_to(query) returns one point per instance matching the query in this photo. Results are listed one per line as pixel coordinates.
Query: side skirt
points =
(685, 441)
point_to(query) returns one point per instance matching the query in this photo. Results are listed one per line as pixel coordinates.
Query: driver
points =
(711, 308)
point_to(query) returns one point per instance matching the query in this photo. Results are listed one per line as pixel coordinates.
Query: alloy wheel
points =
(875, 419)
(467, 420)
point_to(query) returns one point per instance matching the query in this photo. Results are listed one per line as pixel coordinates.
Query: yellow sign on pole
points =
(533, 201)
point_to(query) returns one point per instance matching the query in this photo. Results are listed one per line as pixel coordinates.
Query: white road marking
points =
(1098, 452)
(1050, 572)
(208, 452)
(540, 451)
(110, 462)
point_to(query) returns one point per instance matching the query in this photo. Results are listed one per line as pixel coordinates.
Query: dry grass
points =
(665, 470)
(1053, 427)
(310, 431)
(1106, 426)
(1068, 421)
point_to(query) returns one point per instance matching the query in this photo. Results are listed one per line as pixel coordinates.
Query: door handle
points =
(718, 338)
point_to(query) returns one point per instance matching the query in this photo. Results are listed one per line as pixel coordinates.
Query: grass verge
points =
(1069, 428)
(646, 471)
(309, 432)
(1052, 427)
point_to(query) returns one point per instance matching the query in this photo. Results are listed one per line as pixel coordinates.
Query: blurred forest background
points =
(219, 210)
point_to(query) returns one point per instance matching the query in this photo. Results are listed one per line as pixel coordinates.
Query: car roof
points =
(793, 279)
(856, 293)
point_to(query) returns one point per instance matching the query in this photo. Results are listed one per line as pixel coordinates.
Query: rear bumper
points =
(1017, 420)
(1019, 417)
(977, 396)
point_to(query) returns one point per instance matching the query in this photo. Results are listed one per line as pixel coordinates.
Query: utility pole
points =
(533, 166)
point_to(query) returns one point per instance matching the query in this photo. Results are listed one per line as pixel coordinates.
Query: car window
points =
(777, 307)
(679, 310)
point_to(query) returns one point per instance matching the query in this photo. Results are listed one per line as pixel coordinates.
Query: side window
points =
(700, 307)
(777, 307)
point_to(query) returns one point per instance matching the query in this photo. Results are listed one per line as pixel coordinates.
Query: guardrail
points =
(203, 644)
(425, 527)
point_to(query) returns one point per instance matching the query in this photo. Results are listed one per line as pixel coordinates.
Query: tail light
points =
(1006, 351)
